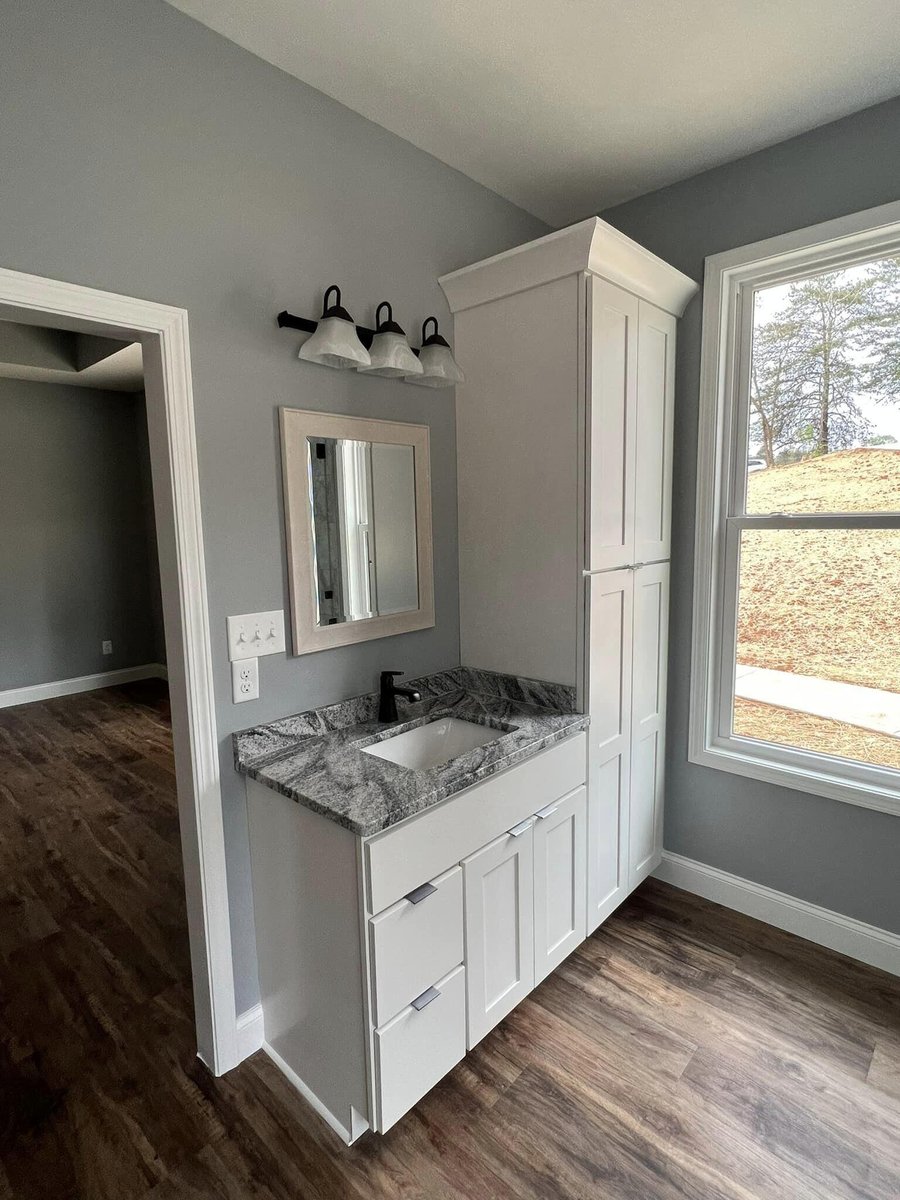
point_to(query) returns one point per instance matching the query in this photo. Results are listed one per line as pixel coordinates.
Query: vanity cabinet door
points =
(612, 402)
(499, 894)
(651, 616)
(559, 881)
(654, 417)
(610, 609)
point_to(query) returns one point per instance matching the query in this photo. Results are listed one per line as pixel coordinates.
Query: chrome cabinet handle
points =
(522, 827)
(425, 999)
(547, 811)
(417, 895)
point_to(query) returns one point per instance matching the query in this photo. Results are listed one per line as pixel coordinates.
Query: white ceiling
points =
(566, 107)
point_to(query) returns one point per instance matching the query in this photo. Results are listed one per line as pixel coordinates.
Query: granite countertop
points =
(316, 759)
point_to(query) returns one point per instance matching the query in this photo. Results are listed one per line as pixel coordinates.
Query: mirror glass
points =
(363, 504)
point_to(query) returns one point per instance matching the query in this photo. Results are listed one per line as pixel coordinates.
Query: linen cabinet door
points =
(654, 422)
(499, 896)
(560, 864)
(611, 405)
(609, 638)
(651, 619)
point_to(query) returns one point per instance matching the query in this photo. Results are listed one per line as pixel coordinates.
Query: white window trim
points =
(729, 281)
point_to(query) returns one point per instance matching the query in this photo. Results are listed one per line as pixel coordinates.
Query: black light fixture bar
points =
(287, 320)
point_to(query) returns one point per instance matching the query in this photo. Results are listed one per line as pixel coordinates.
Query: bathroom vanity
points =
(413, 882)
(402, 911)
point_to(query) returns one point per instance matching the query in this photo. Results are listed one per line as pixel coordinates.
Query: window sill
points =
(816, 775)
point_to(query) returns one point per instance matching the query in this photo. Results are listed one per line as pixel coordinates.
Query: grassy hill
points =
(824, 602)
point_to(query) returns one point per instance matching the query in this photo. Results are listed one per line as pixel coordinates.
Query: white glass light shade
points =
(391, 356)
(335, 343)
(439, 368)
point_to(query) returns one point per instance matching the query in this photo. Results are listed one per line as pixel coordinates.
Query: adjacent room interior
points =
(449, 529)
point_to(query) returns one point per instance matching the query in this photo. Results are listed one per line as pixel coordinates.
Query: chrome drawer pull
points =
(417, 895)
(425, 999)
(522, 827)
(547, 811)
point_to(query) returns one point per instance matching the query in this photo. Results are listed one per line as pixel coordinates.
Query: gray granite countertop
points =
(316, 758)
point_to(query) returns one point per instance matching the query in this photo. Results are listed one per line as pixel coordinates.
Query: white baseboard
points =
(360, 1125)
(867, 943)
(82, 683)
(250, 1032)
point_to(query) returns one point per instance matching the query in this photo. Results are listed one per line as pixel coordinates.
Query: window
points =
(796, 649)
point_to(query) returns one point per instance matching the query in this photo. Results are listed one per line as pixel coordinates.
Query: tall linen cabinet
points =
(564, 453)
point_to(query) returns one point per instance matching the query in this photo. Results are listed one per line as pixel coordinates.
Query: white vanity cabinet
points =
(627, 624)
(525, 895)
(499, 928)
(560, 844)
(564, 445)
(383, 958)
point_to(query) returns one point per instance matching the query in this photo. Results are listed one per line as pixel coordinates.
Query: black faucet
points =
(387, 704)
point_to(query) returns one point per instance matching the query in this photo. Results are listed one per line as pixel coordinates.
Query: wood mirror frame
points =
(297, 426)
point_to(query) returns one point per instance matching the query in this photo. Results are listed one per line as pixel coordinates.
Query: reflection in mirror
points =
(363, 503)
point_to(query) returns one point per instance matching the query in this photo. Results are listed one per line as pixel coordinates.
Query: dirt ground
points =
(788, 728)
(823, 602)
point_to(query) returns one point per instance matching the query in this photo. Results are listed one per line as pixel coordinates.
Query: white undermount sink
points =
(433, 744)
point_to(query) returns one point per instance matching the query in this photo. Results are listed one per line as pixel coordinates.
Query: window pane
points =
(818, 646)
(824, 419)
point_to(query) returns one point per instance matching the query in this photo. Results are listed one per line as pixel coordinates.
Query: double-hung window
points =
(796, 637)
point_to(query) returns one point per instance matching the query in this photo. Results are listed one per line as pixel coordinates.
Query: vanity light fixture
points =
(390, 352)
(335, 342)
(439, 367)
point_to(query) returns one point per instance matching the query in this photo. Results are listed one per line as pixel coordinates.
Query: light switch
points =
(245, 680)
(253, 635)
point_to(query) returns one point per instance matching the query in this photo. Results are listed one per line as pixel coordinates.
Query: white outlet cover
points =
(245, 680)
(253, 635)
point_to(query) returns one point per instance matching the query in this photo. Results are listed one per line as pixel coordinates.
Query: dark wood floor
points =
(683, 1051)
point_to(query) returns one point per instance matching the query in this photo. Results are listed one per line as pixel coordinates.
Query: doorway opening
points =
(135, 724)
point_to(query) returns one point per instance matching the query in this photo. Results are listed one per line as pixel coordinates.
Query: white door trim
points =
(163, 333)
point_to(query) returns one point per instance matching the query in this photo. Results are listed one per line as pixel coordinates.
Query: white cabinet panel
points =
(517, 442)
(611, 401)
(654, 415)
(651, 615)
(609, 739)
(412, 944)
(499, 895)
(559, 881)
(419, 1046)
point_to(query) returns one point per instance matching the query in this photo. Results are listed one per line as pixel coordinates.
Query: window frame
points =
(730, 280)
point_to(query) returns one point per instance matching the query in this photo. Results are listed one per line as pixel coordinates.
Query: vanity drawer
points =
(418, 1047)
(414, 942)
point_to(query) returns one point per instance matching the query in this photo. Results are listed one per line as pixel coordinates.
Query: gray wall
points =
(833, 854)
(144, 154)
(75, 543)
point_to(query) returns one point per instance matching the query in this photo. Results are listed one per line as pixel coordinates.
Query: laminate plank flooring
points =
(683, 1052)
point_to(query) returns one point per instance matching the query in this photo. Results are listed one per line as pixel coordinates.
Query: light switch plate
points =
(253, 635)
(245, 680)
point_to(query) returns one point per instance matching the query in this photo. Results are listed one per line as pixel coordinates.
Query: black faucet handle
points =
(388, 676)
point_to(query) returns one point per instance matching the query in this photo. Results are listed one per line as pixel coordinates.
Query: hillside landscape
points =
(823, 602)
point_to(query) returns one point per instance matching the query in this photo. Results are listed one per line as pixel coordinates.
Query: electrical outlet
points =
(255, 634)
(106, 647)
(245, 680)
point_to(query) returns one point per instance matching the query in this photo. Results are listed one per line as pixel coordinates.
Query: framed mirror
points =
(357, 499)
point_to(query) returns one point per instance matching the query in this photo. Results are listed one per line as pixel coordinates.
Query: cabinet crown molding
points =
(593, 246)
